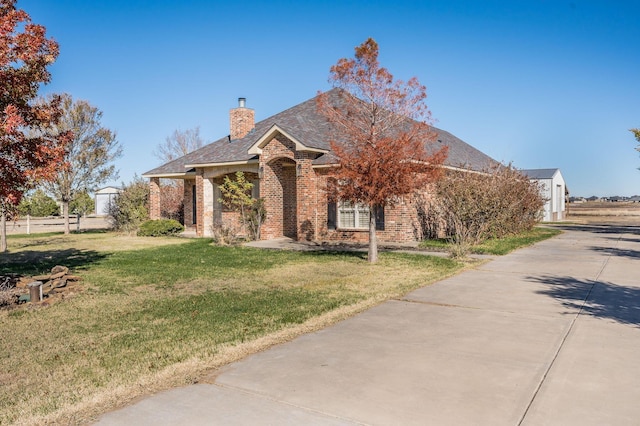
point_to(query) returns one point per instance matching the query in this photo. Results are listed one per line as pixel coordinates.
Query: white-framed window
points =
(353, 216)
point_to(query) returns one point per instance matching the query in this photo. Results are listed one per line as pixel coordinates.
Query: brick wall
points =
(289, 187)
(154, 198)
(188, 202)
(199, 204)
(242, 121)
(400, 221)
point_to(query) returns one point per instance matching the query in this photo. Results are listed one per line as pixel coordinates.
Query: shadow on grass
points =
(333, 253)
(605, 300)
(34, 262)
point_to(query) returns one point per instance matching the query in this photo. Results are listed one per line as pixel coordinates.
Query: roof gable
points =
(274, 131)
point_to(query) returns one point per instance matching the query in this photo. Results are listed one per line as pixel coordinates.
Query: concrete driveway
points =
(548, 335)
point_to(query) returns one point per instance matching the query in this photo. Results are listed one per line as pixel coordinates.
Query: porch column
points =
(306, 198)
(199, 205)
(154, 198)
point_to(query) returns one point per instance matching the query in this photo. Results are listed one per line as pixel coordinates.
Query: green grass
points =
(166, 313)
(498, 246)
(502, 246)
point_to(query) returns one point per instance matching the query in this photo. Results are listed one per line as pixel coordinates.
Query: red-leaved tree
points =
(29, 146)
(381, 135)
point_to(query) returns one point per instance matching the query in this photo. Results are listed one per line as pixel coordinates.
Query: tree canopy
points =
(381, 135)
(89, 155)
(30, 149)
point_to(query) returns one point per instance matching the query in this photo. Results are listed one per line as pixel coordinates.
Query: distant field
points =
(605, 212)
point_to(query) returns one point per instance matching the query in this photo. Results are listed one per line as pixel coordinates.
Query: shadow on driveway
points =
(605, 300)
(601, 228)
(612, 251)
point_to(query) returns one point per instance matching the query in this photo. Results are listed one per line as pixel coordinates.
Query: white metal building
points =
(103, 198)
(554, 191)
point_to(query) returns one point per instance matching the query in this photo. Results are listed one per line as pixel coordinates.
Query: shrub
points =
(130, 207)
(224, 235)
(157, 228)
(469, 208)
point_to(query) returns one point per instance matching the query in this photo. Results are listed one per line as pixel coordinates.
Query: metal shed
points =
(103, 198)
(554, 191)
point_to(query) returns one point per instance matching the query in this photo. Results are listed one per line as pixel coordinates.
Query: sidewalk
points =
(548, 335)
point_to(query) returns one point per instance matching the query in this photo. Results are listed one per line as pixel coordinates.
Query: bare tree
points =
(89, 156)
(180, 143)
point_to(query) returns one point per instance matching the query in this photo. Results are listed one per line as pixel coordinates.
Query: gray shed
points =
(554, 192)
(103, 197)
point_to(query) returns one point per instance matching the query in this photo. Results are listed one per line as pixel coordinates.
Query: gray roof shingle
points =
(308, 126)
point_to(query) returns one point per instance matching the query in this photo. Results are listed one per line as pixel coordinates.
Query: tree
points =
(38, 204)
(130, 207)
(380, 135)
(180, 143)
(29, 148)
(236, 195)
(82, 203)
(636, 133)
(89, 155)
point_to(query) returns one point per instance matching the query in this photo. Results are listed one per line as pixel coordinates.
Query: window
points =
(353, 216)
(255, 191)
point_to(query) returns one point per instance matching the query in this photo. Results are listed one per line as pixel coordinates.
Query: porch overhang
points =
(224, 164)
(185, 175)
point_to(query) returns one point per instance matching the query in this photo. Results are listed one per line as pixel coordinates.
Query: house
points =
(554, 191)
(103, 197)
(288, 158)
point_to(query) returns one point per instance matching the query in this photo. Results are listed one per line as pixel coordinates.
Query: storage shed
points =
(554, 191)
(103, 198)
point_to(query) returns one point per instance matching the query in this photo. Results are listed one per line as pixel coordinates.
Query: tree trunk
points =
(3, 232)
(373, 242)
(65, 213)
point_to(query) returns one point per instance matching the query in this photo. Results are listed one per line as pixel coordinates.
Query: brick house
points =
(288, 158)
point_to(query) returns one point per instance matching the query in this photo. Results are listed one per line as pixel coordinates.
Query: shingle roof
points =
(539, 173)
(308, 126)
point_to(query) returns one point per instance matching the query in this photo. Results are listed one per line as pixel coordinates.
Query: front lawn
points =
(154, 313)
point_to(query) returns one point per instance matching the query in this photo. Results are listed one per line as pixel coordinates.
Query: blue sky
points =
(540, 83)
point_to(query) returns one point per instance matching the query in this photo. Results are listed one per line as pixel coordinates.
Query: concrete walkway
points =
(548, 335)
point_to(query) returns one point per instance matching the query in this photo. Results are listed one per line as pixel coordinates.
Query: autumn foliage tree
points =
(29, 148)
(380, 135)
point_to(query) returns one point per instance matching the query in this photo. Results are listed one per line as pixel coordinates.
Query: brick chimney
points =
(242, 120)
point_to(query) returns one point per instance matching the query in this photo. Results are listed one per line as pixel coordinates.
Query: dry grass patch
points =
(164, 316)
